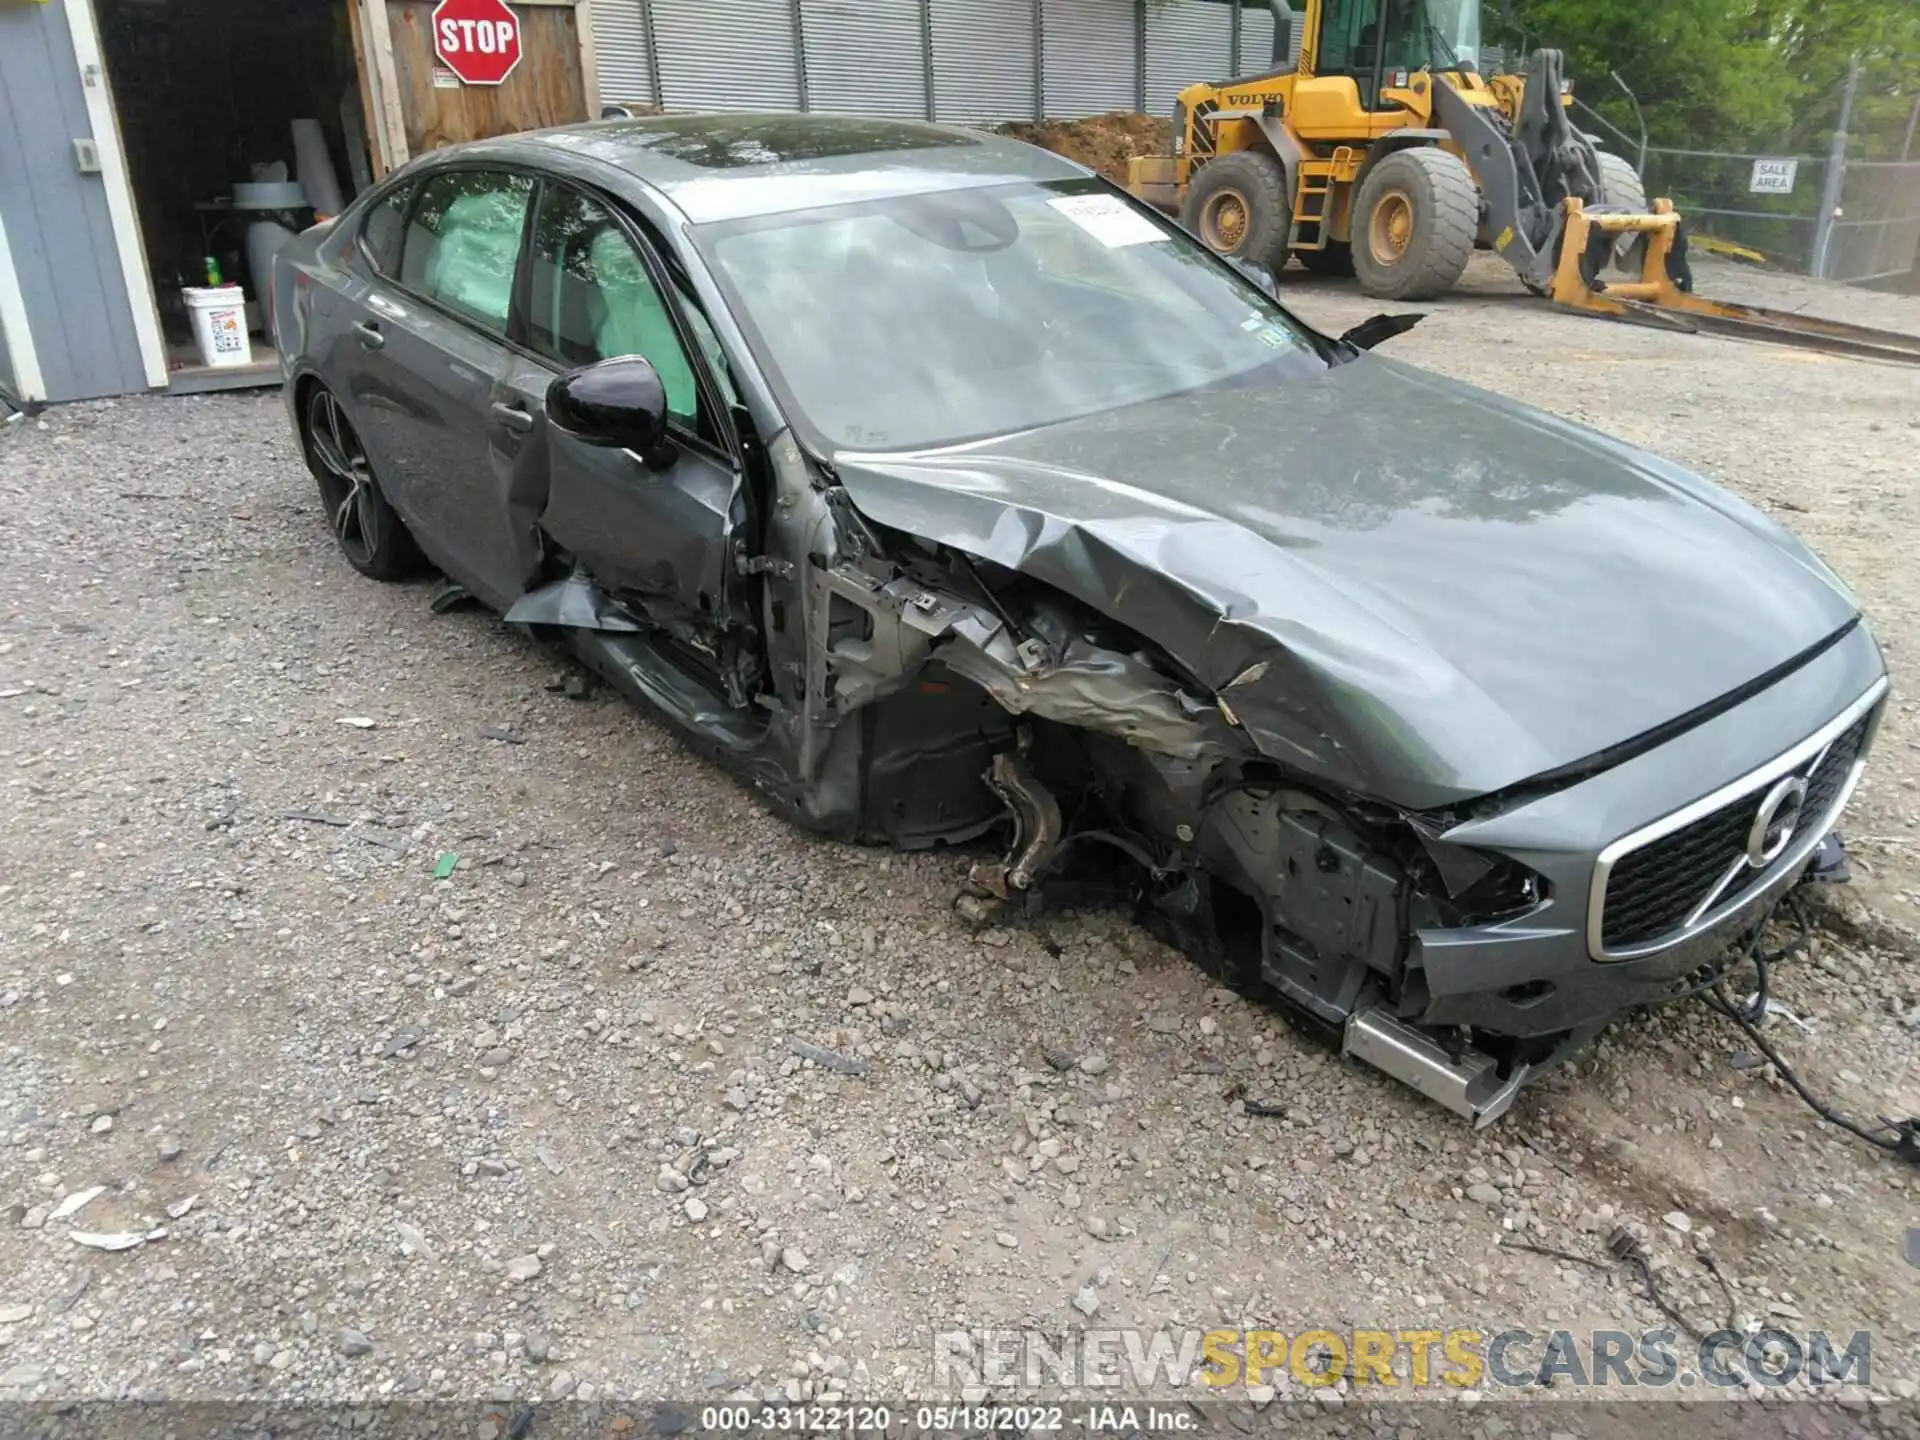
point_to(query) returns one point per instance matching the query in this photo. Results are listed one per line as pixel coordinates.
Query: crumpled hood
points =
(1396, 582)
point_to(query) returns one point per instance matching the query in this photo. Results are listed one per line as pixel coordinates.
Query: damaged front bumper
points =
(1551, 969)
(1559, 971)
(1468, 1013)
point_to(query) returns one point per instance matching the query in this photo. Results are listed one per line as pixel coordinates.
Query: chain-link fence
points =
(1767, 204)
(1876, 234)
(1773, 205)
(1852, 214)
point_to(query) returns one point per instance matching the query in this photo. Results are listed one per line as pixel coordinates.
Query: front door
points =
(597, 291)
(430, 358)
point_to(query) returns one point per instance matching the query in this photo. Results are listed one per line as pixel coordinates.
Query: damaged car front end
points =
(1014, 518)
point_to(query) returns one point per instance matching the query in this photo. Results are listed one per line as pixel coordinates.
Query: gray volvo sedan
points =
(949, 496)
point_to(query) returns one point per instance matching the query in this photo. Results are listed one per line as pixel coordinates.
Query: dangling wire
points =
(1897, 1137)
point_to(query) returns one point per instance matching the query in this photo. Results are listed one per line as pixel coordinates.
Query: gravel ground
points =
(537, 1125)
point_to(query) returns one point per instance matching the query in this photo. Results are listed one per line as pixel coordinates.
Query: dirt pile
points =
(1100, 142)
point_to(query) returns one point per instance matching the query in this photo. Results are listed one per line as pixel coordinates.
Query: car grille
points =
(1652, 890)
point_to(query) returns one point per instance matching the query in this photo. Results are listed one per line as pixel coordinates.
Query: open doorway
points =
(241, 122)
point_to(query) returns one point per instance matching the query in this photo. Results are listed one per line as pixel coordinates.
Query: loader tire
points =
(1238, 206)
(1620, 187)
(1414, 222)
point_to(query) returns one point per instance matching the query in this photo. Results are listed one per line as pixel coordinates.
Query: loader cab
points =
(1368, 41)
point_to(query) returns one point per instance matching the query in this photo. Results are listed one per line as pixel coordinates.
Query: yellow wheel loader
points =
(1385, 154)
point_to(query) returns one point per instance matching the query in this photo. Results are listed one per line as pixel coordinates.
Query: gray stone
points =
(828, 1059)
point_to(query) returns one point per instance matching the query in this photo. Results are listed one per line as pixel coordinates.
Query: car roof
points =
(733, 165)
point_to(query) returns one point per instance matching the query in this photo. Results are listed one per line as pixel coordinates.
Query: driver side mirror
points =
(618, 403)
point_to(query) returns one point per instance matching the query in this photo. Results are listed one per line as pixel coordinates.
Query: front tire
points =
(1238, 205)
(1414, 222)
(369, 532)
(1621, 187)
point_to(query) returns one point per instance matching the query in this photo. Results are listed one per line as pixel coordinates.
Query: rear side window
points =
(385, 223)
(463, 242)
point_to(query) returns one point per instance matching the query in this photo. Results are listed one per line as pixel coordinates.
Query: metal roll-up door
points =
(1187, 41)
(621, 53)
(1256, 39)
(865, 57)
(983, 58)
(742, 55)
(1256, 42)
(1091, 58)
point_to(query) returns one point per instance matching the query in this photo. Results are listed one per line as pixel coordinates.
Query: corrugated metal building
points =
(969, 61)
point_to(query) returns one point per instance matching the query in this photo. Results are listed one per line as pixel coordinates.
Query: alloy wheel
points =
(346, 479)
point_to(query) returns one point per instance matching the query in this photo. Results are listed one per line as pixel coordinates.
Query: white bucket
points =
(220, 324)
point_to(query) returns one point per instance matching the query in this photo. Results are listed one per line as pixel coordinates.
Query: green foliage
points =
(1737, 74)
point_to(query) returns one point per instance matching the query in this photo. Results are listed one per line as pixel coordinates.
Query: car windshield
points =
(930, 319)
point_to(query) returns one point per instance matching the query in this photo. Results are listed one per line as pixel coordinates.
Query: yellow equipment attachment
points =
(1727, 249)
(1656, 299)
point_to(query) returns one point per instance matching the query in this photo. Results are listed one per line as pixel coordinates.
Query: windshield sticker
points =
(1273, 337)
(1109, 220)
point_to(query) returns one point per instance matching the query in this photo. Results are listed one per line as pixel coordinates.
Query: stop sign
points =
(479, 40)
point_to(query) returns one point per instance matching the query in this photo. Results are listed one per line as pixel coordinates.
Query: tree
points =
(1736, 74)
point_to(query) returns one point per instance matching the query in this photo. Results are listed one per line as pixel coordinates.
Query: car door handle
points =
(370, 336)
(513, 417)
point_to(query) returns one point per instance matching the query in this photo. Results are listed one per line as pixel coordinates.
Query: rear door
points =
(597, 289)
(429, 358)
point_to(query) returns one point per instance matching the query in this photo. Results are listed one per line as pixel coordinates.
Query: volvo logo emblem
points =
(1775, 822)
